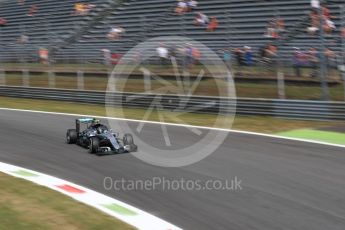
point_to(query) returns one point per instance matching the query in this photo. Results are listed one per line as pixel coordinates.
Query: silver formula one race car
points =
(99, 139)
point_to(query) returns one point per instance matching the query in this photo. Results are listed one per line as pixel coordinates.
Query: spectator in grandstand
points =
(330, 57)
(248, 56)
(227, 57)
(271, 50)
(189, 56)
(3, 22)
(186, 56)
(192, 5)
(23, 39)
(201, 19)
(21, 2)
(280, 22)
(270, 29)
(163, 54)
(78, 8)
(196, 55)
(83, 8)
(269, 53)
(239, 56)
(89, 7)
(315, 21)
(43, 54)
(115, 58)
(313, 59)
(181, 7)
(298, 60)
(315, 4)
(33, 10)
(173, 51)
(327, 23)
(115, 33)
(262, 53)
(213, 25)
(274, 27)
(343, 32)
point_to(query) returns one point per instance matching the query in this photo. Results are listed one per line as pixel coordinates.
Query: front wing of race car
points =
(115, 147)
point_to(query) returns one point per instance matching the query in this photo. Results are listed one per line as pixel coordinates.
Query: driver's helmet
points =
(102, 129)
(95, 122)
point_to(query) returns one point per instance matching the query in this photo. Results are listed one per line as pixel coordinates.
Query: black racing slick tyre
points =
(128, 139)
(71, 136)
(94, 145)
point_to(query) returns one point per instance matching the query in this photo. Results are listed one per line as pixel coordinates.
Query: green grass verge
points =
(26, 206)
(206, 87)
(316, 135)
(243, 70)
(263, 124)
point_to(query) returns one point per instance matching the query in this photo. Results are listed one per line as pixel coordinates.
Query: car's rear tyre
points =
(71, 136)
(94, 145)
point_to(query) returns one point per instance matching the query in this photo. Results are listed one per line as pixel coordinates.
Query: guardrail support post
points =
(147, 79)
(51, 79)
(26, 78)
(2, 77)
(281, 84)
(323, 66)
(280, 72)
(80, 79)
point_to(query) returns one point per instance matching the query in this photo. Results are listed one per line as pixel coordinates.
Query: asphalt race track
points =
(285, 184)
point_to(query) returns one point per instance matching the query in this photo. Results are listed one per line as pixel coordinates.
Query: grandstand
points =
(242, 23)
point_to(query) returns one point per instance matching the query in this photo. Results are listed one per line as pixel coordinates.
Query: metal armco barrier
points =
(317, 110)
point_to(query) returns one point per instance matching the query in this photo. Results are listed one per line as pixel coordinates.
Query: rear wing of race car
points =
(83, 121)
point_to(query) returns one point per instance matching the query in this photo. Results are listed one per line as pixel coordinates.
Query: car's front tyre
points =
(129, 141)
(94, 145)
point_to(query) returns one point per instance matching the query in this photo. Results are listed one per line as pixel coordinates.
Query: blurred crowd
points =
(320, 17)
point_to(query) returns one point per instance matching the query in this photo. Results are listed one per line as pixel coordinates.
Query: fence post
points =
(323, 66)
(2, 77)
(280, 72)
(25, 71)
(80, 79)
(342, 12)
(2, 71)
(51, 73)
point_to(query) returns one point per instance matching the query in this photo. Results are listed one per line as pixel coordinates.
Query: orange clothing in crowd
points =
(280, 23)
(213, 24)
(33, 10)
(271, 50)
(79, 7)
(3, 22)
(196, 54)
(44, 55)
(326, 13)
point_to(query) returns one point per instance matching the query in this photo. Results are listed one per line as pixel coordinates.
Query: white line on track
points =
(179, 125)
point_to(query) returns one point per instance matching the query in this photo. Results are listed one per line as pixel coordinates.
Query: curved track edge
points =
(120, 210)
